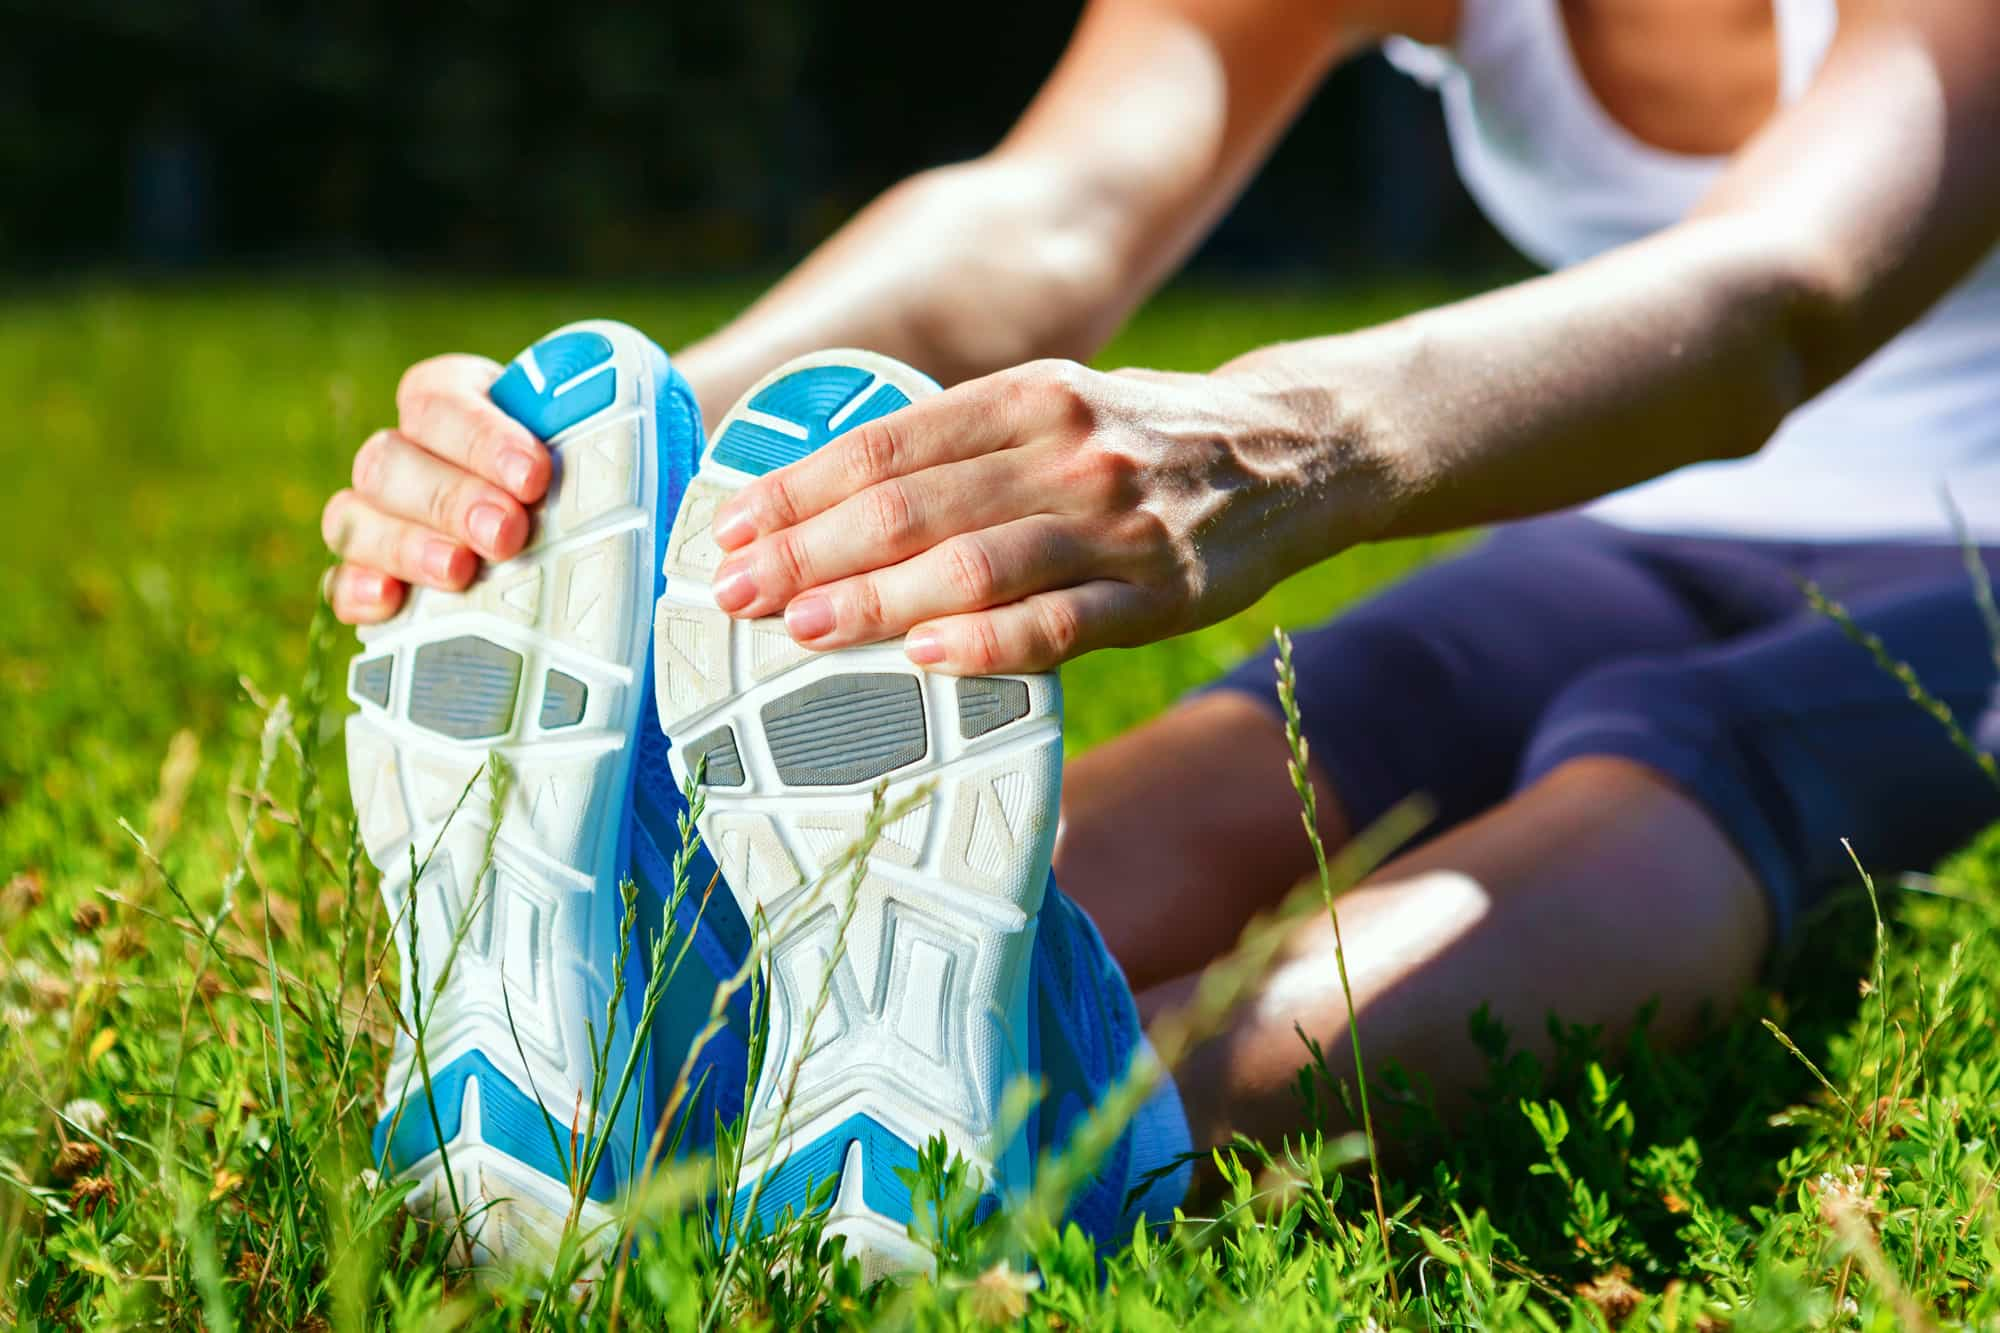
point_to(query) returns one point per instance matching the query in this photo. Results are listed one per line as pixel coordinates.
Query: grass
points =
(192, 1029)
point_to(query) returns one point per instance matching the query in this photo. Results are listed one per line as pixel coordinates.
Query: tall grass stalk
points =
(1295, 742)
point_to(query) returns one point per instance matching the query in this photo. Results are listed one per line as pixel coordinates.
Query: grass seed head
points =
(77, 1157)
(46, 991)
(87, 917)
(89, 1193)
(124, 944)
(1892, 1116)
(22, 895)
(1854, 1191)
(999, 1296)
(1612, 1293)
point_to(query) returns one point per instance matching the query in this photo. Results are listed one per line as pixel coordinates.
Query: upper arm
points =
(1882, 183)
(1159, 110)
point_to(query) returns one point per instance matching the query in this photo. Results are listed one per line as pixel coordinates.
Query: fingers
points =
(442, 404)
(890, 521)
(362, 534)
(362, 596)
(430, 499)
(404, 480)
(965, 422)
(1037, 633)
(966, 573)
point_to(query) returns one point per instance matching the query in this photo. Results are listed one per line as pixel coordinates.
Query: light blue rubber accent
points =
(883, 1154)
(789, 1186)
(509, 1121)
(565, 397)
(810, 398)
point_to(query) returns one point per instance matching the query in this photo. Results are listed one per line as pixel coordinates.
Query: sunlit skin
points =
(1039, 509)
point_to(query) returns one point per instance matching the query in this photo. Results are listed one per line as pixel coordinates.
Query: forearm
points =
(959, 271)
(1144, 133)
(1689, 346)
(1839, 224)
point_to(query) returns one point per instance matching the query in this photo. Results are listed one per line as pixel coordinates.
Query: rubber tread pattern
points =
(464, 688)
(563, 700)
(988, 703)
(725, 764)
(846, 729)
(372, 678)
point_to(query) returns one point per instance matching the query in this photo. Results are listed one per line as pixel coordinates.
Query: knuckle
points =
(968, 570)
(1107, 477)
(336, 520)
(788, 560)
(888, 511)
(435, 381)
(772, 504)
(446, 501)
(871, 454)
(371, 461)
(409, 553)
(1061, 388)
(982, 645)
(415, 384)
(1057, 622)
(1145, 536)
(417, 404)
(487, 438)
(864, 603)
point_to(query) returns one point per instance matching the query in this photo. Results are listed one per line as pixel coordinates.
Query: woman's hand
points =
(1019, 520)
(432, 498)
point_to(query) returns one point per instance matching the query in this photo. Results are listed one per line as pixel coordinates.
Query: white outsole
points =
(543, 923)
(925, 1020)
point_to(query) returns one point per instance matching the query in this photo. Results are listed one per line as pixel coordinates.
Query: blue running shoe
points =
(1085, 1037)
(543, 664)
(926, 1016)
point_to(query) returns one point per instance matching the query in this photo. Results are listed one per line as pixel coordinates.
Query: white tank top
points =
(1864, 461)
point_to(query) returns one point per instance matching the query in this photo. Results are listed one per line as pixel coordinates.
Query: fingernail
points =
(437, 560)
(733, 588)
(485, 524)
(732, 529)
(809, 617)
(515, 469)
(924, 647)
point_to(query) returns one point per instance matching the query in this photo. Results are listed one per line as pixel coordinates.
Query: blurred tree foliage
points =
(609, 138)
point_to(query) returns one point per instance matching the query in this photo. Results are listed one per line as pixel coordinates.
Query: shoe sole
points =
(540, 662)
(926, 1010)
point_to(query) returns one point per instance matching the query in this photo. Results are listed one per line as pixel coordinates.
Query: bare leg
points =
(1175, 834)
(1598, 889)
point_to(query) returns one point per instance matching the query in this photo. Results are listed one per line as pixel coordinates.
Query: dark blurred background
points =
(661, 139)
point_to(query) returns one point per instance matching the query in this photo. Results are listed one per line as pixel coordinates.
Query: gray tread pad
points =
(563, 700)
(371, 680)
(846, 729)
(464, 688)
(725, 764)
(987, 703)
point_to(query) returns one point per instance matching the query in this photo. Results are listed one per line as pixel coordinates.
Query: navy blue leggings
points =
(1562, 637)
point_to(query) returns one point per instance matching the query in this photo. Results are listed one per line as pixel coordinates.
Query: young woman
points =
(1770, 342)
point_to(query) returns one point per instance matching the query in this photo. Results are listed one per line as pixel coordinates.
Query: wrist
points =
(1333, 404)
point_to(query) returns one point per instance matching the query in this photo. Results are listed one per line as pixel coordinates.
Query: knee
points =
(1663, 716)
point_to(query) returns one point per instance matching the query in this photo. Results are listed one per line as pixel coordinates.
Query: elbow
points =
(1786, 325)
(1815, 295)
